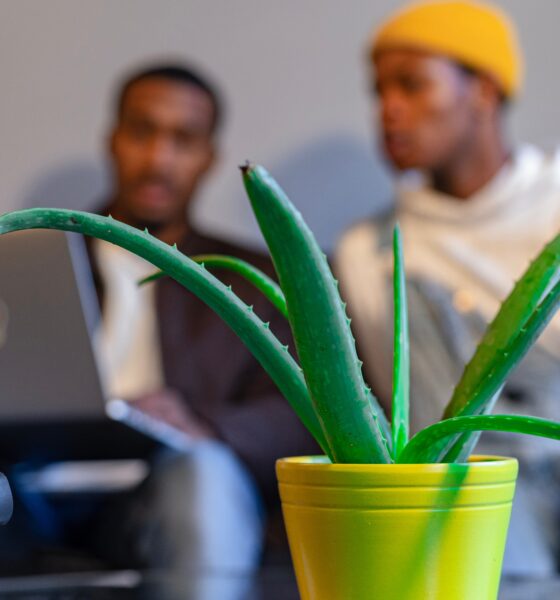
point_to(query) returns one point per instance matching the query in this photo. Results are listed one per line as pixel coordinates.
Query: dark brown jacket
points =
(218, 377)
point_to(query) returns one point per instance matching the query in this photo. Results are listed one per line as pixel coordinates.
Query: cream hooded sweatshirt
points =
(461, 259)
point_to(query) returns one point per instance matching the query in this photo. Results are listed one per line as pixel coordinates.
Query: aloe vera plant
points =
(326, 388)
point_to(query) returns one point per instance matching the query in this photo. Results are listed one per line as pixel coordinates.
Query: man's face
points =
(161, 147)
(425, 108)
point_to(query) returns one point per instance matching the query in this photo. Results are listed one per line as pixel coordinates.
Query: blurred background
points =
(294, 79)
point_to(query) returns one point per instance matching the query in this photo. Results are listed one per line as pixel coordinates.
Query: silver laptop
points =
(52, 403)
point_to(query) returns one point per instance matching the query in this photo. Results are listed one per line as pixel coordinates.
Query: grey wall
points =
(294, 76)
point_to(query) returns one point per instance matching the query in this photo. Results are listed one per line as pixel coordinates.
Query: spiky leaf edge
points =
(453, 450)
(351, 419)
(514, 312)
(273, 356)
(256, 277)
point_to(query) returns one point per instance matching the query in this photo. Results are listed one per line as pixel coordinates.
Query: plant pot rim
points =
(322, 462)
(318, 471)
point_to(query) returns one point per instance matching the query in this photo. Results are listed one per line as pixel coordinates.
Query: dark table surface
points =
(270, 584)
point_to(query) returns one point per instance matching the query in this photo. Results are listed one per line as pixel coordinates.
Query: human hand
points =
(168, 406)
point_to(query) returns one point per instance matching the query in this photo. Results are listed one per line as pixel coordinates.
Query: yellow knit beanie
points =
(476, 35)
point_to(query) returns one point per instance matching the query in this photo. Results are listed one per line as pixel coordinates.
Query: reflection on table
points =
(268, 584)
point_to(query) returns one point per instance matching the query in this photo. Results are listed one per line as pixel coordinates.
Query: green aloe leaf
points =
(273, 356)
(351, 420)
(420, 448)
(153, 277)
(401, 359)
(485, 394)
(382, 421)
(511, 318)
(255, 276)
(459, 449)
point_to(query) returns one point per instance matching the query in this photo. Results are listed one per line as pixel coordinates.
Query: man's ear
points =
(487, 96)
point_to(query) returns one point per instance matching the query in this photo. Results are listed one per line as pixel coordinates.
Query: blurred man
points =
(167, 352)
(473, 211)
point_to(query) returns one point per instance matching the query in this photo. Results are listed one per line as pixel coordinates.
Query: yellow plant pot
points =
(397, 532)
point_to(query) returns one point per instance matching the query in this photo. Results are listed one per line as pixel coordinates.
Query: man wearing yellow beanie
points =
(473, 211)
(454, 65)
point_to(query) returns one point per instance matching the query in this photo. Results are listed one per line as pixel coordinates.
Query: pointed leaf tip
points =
(246, 167)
